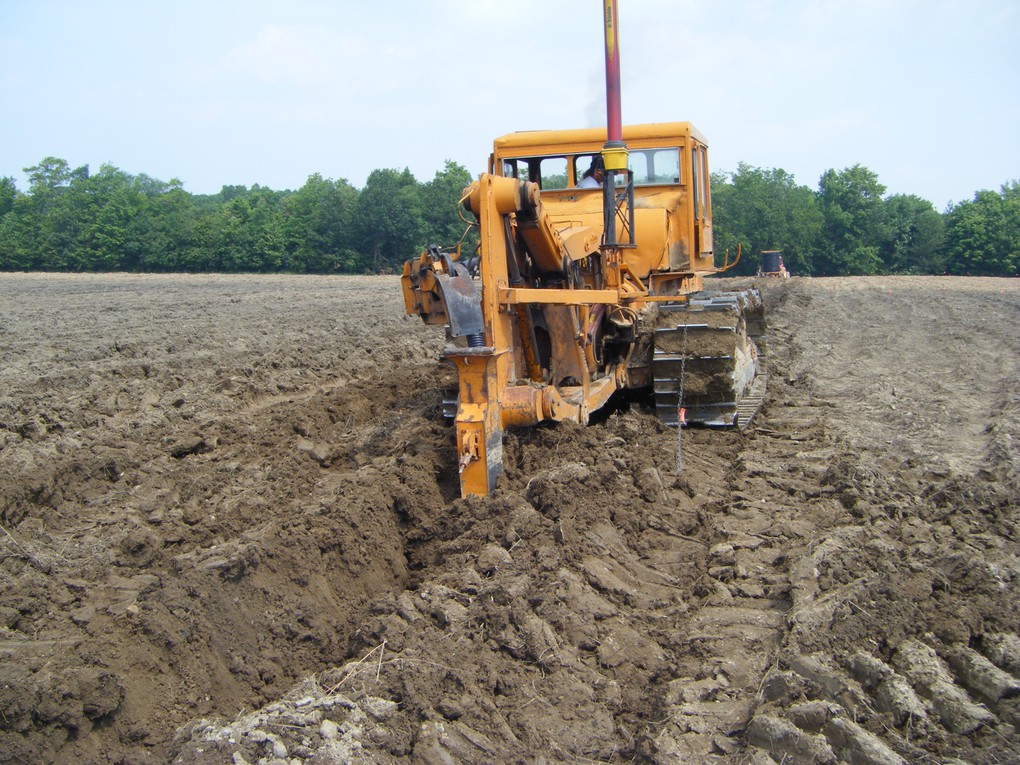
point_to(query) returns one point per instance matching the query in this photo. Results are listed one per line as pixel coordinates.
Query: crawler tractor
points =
(772, 265)
(584, 286)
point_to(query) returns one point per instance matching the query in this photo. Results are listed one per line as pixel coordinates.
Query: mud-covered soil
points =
(230, 533)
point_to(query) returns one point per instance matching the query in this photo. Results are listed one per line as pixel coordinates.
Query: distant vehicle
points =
(772, 264)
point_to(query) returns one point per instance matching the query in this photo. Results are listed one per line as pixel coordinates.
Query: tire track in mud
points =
(735, 635)
(898, 632)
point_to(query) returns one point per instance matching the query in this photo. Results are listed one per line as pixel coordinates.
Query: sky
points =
(924, 93)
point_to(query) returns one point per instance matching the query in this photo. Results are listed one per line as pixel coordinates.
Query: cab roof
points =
(592, 139)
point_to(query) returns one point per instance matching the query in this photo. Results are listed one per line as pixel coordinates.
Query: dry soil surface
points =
(231, 534)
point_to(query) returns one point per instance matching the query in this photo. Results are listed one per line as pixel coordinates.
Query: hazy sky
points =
(926, 93)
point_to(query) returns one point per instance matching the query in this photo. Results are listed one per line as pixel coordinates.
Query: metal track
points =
(753, 398)
(726, 365)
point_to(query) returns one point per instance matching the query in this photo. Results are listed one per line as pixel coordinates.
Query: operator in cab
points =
(592, 178)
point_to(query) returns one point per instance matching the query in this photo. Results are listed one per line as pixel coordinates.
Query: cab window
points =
(547, 172)
(696, 183)
(654, 166)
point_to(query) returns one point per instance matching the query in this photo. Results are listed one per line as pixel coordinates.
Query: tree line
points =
(847, 226)
(70, 219)
(74, 220)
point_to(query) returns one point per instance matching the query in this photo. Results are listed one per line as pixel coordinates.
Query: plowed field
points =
(231, 533)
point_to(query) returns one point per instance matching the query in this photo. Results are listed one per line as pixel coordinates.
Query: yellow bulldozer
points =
(588, 280)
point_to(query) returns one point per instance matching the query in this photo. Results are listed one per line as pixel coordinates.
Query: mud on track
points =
(230, 534)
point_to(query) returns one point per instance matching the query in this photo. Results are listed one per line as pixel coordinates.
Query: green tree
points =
(389, 224)
(8, 193)
(248, 232)
(109, 206)
(913, 236)
(49, 175)
(439, 198)
(764, 209)
(167, 232)
(317, 227)
(851, 204)
(16, 231)
(983, 235)
(10, 243)
(54, 216)
(229, 193)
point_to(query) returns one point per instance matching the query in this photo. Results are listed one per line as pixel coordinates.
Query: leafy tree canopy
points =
(75, 220)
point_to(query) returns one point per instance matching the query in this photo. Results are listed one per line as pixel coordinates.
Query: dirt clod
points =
(230, 533)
